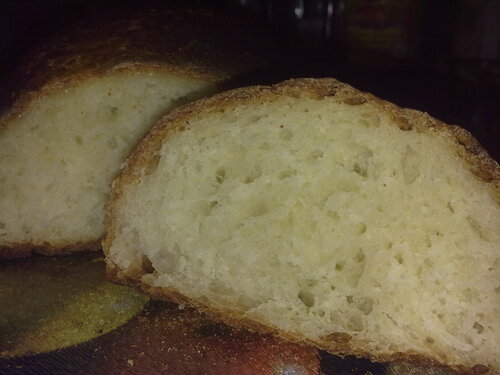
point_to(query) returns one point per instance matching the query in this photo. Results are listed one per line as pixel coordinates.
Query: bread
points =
(322, 214)
(83, 101)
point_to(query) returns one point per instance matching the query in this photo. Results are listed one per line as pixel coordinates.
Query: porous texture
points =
(322, 214)
(84, 100)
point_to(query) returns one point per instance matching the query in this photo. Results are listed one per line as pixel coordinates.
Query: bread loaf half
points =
(322, 214)
(84, 100)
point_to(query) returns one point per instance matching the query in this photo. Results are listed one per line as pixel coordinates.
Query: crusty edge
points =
(193, 44)
(340, 348)
(467, 147)
(25, 98)
(21, 250)
(145, 156)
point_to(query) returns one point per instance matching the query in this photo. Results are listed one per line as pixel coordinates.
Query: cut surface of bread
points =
(320, 213)
(58, 159)
(86, 99)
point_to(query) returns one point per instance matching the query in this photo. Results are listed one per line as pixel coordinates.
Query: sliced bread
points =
(322, 214)
(83, 101)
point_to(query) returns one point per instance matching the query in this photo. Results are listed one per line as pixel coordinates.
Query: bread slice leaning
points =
(322, 214)
(83, 101)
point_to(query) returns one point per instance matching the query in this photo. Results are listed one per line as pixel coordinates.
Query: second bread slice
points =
(84, 100)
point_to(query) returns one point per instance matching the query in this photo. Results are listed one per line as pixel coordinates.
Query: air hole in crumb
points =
(355, 323)
(220, 175)
(450, 207)
(360, 256)
(147, 265)
(2, 225)
(315, 155)
(254, 174)
(255, 118)
(152, 164)
(399, 258)
(211, 206)
(362, 170)
(365, 305)
(78, 140)
(349, 299)
(478, 327)
(428, 241)
(428, 262)
(355, 100)
(259, 210)
(476, 227)
(339, 266)
(392, 319)
(306, 297)
(311, 282)
(287, 173)
(333, 287)
(411, 165)
(361, 228)
(403, 123)
(430, 340)
(442, 301)
(389, 245)
(333, 214)
(207, 207)
(497, 290)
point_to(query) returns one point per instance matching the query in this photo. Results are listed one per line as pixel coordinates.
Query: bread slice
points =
(322, 214)
(84, 100)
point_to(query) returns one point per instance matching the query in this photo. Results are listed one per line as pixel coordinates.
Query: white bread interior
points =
(60, 154)
(321, 217)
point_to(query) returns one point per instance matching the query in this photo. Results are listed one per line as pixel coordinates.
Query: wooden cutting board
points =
(59, 315)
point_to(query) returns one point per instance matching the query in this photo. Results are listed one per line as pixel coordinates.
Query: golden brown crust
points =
(145, 155)
(194, 44)
(481, 164)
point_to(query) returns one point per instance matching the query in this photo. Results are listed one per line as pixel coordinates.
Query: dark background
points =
(439, 71)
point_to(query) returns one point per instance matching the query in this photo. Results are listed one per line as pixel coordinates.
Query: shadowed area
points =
(166, 339)
(52, 303)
